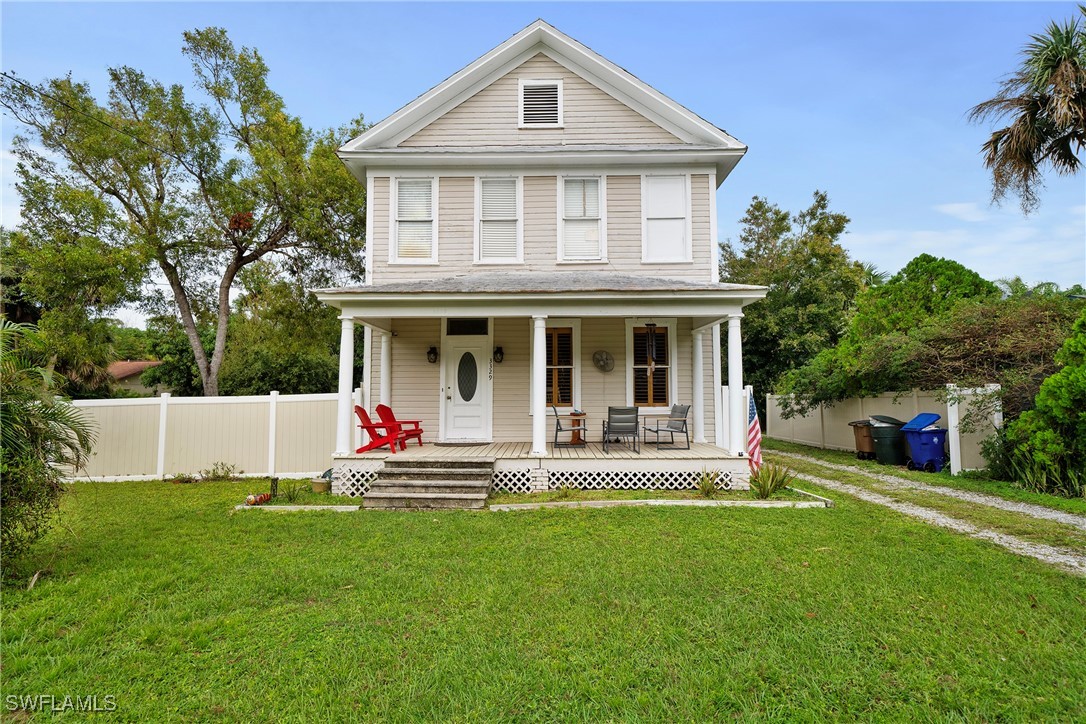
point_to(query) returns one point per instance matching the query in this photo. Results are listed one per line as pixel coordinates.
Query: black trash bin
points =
(865, 444)
(889, 440)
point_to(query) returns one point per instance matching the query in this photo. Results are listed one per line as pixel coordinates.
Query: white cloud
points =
(970, 211)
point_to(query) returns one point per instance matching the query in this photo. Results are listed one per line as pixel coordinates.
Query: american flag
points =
(754, 437)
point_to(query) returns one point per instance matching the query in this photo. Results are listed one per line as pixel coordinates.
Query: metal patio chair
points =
(621, 426)
(675, 424)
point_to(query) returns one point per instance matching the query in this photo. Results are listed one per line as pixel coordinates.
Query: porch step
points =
(377, 500)
(413, 473)
(439, 463)
(431, 484)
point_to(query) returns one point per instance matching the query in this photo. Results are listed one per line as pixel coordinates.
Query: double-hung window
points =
(582, 220)
(666, 221)
(498, 230)
(414, 237)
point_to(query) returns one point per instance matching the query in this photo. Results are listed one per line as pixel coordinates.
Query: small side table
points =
(577, 427)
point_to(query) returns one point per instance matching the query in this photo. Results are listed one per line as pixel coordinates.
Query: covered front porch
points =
(488, 359)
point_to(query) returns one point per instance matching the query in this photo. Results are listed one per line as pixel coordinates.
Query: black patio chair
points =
(621, 425)
(675, 424)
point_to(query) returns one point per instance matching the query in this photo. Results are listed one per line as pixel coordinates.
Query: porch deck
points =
(587, 467)
(519, 450)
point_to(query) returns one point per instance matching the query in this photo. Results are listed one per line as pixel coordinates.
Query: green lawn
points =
(972, 481)
(164, 597)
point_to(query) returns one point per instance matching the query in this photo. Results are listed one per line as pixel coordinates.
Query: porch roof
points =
(519, 294)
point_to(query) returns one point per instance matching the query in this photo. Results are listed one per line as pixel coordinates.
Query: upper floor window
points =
(413, 229)
(581, 235)
(498, 228)
(666, 221)
(540, 103)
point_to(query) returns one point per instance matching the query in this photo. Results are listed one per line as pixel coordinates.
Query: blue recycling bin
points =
(927, 443)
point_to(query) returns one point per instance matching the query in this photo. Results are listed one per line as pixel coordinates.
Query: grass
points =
(562, 496)
(164, 597)
(1010, 522)
(972, 481)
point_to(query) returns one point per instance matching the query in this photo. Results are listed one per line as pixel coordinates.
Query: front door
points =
(467, 388)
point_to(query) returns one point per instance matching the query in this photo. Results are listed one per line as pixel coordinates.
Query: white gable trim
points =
(541, 37)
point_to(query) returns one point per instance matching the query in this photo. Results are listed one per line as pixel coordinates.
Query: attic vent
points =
(541, 103)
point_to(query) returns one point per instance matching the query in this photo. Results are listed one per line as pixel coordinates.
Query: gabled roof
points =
(541, 37)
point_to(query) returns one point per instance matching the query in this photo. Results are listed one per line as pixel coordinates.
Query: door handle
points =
(448, 397)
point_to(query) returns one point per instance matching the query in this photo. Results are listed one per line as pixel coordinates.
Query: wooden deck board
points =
(591, 451)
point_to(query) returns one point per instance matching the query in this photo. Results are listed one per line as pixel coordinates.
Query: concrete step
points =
(451, 486)
(442, 463)
(415, 473)
(412, 501)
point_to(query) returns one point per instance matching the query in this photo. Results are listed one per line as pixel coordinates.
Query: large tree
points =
(812, 285)
(189, 190)
(1045, 101)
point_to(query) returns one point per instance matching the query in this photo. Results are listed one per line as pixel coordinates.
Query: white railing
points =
(827, 426)
(260, 435)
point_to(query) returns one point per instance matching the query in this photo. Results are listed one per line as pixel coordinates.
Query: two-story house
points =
(541, 234)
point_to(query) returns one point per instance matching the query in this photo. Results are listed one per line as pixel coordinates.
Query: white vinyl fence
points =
(827, 426)
(150, 438)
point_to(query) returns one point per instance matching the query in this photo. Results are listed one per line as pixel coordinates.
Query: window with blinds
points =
(414, 219)
(499, 227)
(665, 208)
(651, 367)
(581, 219)
(541, 103)
(560, 366)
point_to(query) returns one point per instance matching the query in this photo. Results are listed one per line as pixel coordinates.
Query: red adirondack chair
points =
(380, 433)
(400, 427)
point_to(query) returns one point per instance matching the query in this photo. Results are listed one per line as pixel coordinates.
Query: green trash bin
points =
(889, 440)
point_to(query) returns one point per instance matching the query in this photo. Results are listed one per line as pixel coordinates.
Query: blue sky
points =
(866, 101)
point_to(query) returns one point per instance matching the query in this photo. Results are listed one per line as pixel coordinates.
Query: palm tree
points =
(40, 437)
(1046, 102)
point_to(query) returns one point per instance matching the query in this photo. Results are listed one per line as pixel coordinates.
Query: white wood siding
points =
(490, 117)
(456, 220)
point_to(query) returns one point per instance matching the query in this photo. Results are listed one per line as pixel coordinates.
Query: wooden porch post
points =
(345, 409)
(386, 369)
(737, 426)
(699, 388)
(539, 386)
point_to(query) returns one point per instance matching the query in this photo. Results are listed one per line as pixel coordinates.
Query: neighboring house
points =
(127, 375)
(534, 222)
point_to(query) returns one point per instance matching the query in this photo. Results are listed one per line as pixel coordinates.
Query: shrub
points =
(708, 483)
(770, 479)
(220, 471)
(41, 438)
(1050, 440)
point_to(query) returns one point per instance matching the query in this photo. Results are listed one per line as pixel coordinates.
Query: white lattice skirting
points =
(353, 477)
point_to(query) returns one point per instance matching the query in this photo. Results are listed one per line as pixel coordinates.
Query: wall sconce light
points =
(431, 355)
(499, 355)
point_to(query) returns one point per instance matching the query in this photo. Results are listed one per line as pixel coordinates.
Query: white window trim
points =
(575, 324)
(479, 220)
(393, 227)
(688, 250)
(520, 102)
(561, 190)
(672, 326)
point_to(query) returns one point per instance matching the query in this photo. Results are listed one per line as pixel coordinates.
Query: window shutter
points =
(665, 218)
(414, 214)
(540, 104)
(498, 222)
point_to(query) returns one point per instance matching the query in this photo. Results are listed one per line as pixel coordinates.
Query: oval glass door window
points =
(467, 376)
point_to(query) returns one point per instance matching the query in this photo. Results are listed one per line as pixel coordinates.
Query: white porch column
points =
(386, 369)
(539, 386)
(737, 419)
(345, 408)
(699, 388)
